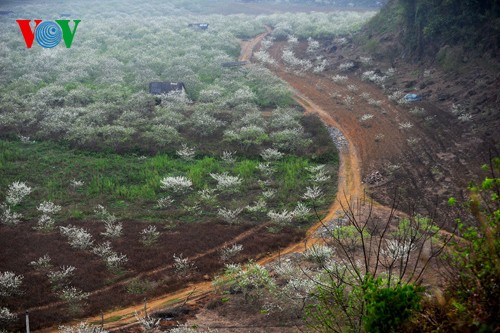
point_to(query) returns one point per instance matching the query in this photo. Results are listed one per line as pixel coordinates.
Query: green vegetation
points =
(472, 299)
(388, 308)
(428, 25)
(130, 185)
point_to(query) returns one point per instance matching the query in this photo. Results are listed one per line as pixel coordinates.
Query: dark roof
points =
(234, 63)
(203, 26)
(158, 88)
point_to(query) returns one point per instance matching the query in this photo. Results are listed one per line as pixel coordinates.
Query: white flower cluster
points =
(228, 157)
(76, 183)
(78, 238)
(6, 315)
(371, 76)
(9, 217)
(229, 215)
(59, 279)
(230, 252)
(183, 266)
(366, 117)
(149, 235)
(397, 249)
(113, 228)
(281, 218)
(164, 202)
(112, 259)
(176, 184)
(46, 221)
(312, 45)
(339, 78)
(312, 193)
(186, 153)
(319, 254)
(318, 173)
(264, 58)
(81, 328)
(271, 154)
(10, 283)
(41, 263)
(16, 192)
(73, 295)
(346, 66)
(226, 182)
(291, 60)
(405, 125)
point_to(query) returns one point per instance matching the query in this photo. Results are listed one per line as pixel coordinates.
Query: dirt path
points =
(248, 46)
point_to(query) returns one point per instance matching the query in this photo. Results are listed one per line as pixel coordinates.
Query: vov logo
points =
(48, 34)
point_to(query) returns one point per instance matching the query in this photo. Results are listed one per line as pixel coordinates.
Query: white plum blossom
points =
(183, 266)
(176, 184)
(282, 218)
(339, 78)
(229, 215)
(114, 261)
(346, 66)
(113, 228)
(78, 238)
(264, 57)
(149, 235)
(319, 254)
(43, 262)
(271, 154)
(164, 202)
(312, 45)
(6, 315)
(398, 249)
(10, 283)
(186, 153)
(366, 117)
(301, 211)
(228, 157)
(81, 328)
(16, 193)
(59, 279)
(229, 252)
(258, 206)
(73, 295)
(48, 207)
(405, 125)
(76, 183)
(10, 217)
(312, 193)
(226, 182)
(45, 223)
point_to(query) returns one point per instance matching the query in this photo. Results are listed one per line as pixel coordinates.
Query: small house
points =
(201, 26)
(234, 63)
(159, 88)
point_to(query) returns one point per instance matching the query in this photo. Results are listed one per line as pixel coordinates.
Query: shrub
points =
(176, 184)
(388, 308)
(10, 284)
(149, 235)
(78, 238)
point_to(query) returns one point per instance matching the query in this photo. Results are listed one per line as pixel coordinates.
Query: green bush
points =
(388, 308)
